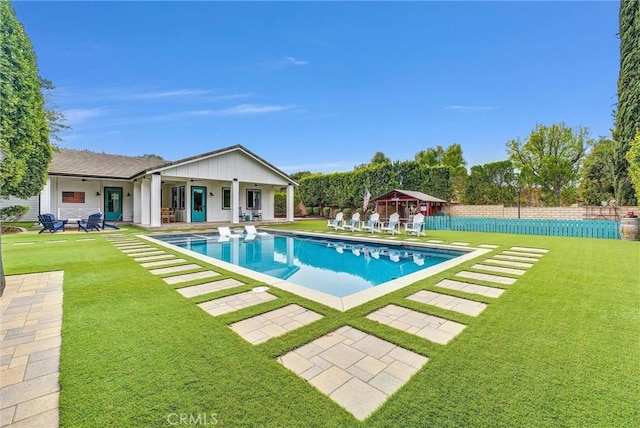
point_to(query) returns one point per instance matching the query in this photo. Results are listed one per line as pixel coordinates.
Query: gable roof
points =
(411, 194)
(83, 163)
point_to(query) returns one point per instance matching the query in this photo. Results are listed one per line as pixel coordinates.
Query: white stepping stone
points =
(138, 249)
(486, 277)
(356, 370)
(435, 241)
(529, 250)
(520, 254)
(508, 263)
(131, 245)
(24, 243)
(86, 239)
(175, 269)
(499, 269)
(521, 259)
(177, 279)
(209, 287)
(435, 329)
(235, 302)
(488, 246)
(55, 242)
(162, 263)
(150, 258)
(451, 303)
(148, 253)
(466, 287)
(272, 324)
(459, 243)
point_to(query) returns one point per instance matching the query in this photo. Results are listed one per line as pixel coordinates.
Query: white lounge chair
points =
(336, 223)
(371, 224)
(354, 223)
(251, 230)
(225, 232)
(392, 225)
(418, 259)
(417, 226)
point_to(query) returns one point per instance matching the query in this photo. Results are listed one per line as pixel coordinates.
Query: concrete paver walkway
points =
(457, 304)
(30, 350)
(274, 323)
(235, 302)
(356, 370)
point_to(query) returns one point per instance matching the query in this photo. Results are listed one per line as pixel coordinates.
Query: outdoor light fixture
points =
(128, 194)
(211, 194)
(97, 193)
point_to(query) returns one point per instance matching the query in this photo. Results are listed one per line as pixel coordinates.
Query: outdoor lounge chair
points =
(337, 222)
(354, 223)
(392, 225)
(49, 222)
(92, 223)
(417, 226)
(371, 224)
(250, 230)
(225, 232)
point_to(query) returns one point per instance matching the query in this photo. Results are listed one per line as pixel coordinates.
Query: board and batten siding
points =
(227, 167)
(33, 203)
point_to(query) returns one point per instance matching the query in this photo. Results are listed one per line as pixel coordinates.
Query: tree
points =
(628, 110)
(298, 175)
(551, 157)
(23, 119)
(55, 119)
(633, 157)
(450, 157)
(598, 173)
(379, 158)
(490, 184)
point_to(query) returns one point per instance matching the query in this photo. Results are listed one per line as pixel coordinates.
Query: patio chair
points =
(250, 230)
(392, 225)
(418, 259)
(336, 223)
(354, 223)
(92, 223)
(371, 224)
(225, 232)
(49, 222)
(417, 226)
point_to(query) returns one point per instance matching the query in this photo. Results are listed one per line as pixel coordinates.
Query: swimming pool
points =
(328, 270)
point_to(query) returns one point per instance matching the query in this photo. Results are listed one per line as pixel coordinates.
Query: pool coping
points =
(347, 302)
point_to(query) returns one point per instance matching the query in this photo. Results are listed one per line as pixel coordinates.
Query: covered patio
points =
(407, 203)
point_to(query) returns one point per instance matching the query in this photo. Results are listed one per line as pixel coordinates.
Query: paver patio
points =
(275, 323)
(356, 370)
(435, 329)
(30, 350)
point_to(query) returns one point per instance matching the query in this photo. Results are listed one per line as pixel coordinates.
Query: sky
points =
(323, 86)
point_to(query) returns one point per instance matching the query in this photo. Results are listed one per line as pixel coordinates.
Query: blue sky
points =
(322, 86)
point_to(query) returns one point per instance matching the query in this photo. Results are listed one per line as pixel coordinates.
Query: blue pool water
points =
(339, 268)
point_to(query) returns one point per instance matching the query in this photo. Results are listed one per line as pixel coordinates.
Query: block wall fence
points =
(560, 213)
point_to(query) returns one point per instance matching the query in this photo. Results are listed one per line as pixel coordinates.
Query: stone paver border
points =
(274, 323)
(235, 302)
(451, 303)
(481, 290)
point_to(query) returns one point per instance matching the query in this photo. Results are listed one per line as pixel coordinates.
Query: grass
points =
(560, 347)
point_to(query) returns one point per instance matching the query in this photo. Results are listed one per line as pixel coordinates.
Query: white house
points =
(225, 185)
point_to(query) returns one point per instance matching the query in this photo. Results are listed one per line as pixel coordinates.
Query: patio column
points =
(137, 197)
(156, 199)
(235, 201)
(145, 193)
(45, 198)
(290, 211)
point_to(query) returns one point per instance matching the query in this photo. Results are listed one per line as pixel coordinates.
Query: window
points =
(174, 197)
(253, 199)
(181, 197)
(226, 198)
(73, 197)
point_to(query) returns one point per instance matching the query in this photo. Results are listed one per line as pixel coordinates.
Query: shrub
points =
(13, 213)
(347, 212)
(326, 211)
(315, 210)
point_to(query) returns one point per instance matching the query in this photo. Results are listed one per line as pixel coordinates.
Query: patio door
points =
(113, 203)
(198, 204)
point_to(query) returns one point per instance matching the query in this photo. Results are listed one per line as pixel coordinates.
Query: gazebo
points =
(407, 203)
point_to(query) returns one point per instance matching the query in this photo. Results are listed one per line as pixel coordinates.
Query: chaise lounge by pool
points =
(340, 272)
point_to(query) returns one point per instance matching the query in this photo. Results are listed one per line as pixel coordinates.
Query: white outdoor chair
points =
(336, 223)
(354, 223)
(392, 225)
(371, 224)
(417, 226)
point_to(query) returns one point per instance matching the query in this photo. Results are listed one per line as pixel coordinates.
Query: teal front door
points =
(113, 203)
(198, 204)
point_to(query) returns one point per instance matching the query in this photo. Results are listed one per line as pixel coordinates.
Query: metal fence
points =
(606, 229)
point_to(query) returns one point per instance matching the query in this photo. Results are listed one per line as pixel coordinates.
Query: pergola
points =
(407, 203)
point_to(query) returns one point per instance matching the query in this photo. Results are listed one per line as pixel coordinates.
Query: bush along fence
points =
(606, 229)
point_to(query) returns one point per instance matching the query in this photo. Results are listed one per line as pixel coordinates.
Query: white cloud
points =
(252, 109)
(470, 108)
(291, 60)
(76, 116)
(168, 94)
(321, 167)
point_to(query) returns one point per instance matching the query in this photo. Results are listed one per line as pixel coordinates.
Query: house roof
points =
(408, 194)
(83, 163)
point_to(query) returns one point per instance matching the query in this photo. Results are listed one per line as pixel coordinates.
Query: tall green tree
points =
(379, 158)
(452, 158)
(628, 111)
(597, 184)
(633, 157)
(551, 158)
(490, 184)
(23, 119)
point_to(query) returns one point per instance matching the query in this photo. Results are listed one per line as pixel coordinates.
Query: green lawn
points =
(561, 347)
